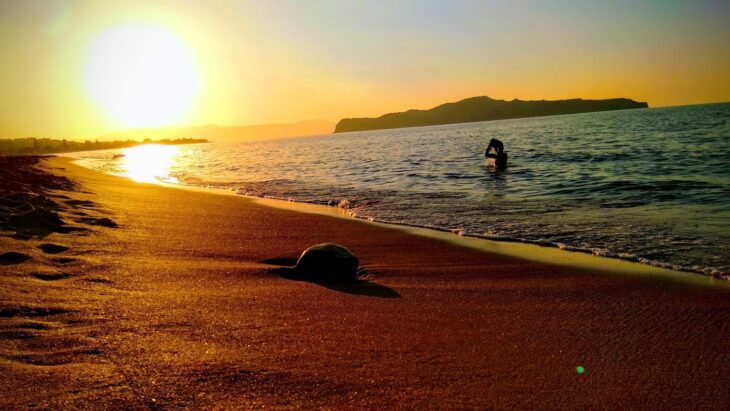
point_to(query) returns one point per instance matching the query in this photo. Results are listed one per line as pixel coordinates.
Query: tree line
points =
(33, 145)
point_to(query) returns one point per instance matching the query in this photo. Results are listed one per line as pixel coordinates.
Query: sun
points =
(141, 75)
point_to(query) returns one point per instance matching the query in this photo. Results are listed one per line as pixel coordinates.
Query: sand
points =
(180, 302)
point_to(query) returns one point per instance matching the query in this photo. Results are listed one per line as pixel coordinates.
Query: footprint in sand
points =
(17, 334)
(27, 311)
(13, 258)
(51, 276)
(31, 325)
(81, 203)
(103, 222)
(40, 343)
(65, 260)
(98, 280)
(52, 248)
(59, 356)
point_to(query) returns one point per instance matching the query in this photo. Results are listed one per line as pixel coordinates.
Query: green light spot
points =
(580, 370)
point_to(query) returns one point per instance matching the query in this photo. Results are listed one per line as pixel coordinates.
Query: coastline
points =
(550, 254)
(521, 250)
(187, 310)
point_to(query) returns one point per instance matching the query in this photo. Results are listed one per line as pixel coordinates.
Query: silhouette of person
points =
(499, 156)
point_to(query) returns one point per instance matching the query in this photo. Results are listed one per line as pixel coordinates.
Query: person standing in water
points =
(499, 156)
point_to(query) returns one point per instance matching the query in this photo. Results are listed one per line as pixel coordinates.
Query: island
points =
(483, 109)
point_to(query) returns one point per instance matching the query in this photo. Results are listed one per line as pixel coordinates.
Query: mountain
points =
(483, 109)
(222, 133)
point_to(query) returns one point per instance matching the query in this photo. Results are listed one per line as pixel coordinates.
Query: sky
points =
(275, 61)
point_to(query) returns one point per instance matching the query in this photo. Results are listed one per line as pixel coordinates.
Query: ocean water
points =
(648, 185)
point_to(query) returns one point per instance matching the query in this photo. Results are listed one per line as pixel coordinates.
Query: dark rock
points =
(328, 263)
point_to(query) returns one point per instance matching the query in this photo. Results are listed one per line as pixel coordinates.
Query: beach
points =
(619, 187)
(173, 298)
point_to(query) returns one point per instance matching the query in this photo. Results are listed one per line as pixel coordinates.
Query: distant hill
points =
(483, 109)
(222, 133)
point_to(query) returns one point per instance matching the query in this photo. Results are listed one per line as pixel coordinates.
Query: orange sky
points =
(284, 61)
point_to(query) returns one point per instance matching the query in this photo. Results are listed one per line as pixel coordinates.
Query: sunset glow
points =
(364, 204)
(149, 163)
(117, 65)
(141, 76)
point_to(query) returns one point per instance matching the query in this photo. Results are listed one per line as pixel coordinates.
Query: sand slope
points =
(182, 305)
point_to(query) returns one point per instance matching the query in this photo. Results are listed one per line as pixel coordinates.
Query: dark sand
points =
(174, 308)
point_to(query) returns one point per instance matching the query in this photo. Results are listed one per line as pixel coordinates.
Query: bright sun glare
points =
(149, 163)
(141, 75)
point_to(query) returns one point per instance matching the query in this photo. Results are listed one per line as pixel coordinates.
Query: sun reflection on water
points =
(149, 163)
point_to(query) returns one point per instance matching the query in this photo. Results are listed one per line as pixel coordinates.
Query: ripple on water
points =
(643, 185)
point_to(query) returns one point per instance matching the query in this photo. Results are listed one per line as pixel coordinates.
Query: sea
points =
(645, 185)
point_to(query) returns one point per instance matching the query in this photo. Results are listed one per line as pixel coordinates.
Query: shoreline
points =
(542, 253)
(184, 302)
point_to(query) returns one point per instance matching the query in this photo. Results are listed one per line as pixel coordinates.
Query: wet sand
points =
(167, 298)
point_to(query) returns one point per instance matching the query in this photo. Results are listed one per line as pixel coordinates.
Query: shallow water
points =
(650, 185)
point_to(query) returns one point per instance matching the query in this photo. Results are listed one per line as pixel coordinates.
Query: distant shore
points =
(39, 146)
(483, 108)
(179, 303)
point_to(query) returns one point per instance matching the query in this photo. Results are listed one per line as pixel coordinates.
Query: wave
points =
(650, 187)
(352, 206)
